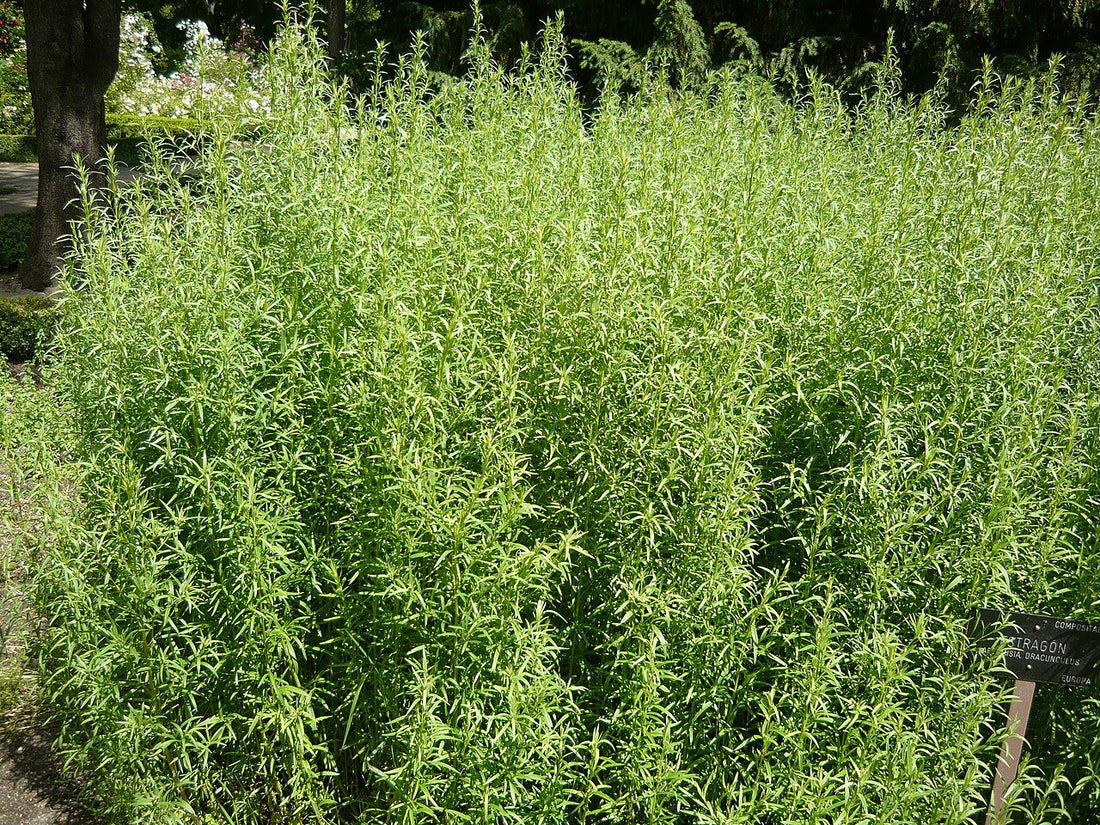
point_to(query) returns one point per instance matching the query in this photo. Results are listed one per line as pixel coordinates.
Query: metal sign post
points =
(1040, 649)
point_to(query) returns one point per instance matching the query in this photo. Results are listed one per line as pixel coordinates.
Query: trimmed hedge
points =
(125, 132)
(27, 324)
(18, 149)
(128, 127)
(130, 134)
(15, 231)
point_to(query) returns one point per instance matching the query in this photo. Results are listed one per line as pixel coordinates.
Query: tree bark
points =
(72, 57)
(337, 10)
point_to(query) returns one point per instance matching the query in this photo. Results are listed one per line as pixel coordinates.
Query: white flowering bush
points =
(16, 114)
(214, 80)
(137, 47)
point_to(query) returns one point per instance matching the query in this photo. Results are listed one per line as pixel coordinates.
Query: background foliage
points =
(474, 456)
(617, 41)
(16, 114)
(842, 40)
(14, 230)
(26, 326)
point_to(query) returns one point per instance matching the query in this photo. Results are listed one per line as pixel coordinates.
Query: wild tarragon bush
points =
(465, 456)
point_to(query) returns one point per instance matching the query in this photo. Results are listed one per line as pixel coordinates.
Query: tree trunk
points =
(337, 10)
(72, 57)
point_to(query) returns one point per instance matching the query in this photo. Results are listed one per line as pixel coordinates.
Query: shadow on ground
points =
(33, 789)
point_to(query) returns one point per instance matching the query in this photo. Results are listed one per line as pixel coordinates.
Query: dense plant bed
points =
(467, 459)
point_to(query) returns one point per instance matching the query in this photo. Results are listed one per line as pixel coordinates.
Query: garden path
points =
(18, 187)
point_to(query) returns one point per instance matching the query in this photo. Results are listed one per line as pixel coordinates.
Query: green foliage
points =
(735, 48)
(679, 52)
(27, 323)
(132, 136)
(12, 29)
(940, 43)
(680, 46)
(16, 114)
(15, 233)
(611, 40)
(27, 326)
(464, 457)
(613, 63)
(32, 433)
(18, 148)
(127, 127)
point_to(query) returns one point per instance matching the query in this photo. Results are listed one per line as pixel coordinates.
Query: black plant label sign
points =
(1042, 648)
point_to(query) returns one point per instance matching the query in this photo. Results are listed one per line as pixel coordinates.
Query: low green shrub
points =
(471, 457)
(127, 134)
(131, 135)
(125, 127)
(27, 325)
(15, 233)
(18, 149)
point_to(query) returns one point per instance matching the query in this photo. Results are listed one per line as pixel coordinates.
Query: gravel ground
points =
(33, 790)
